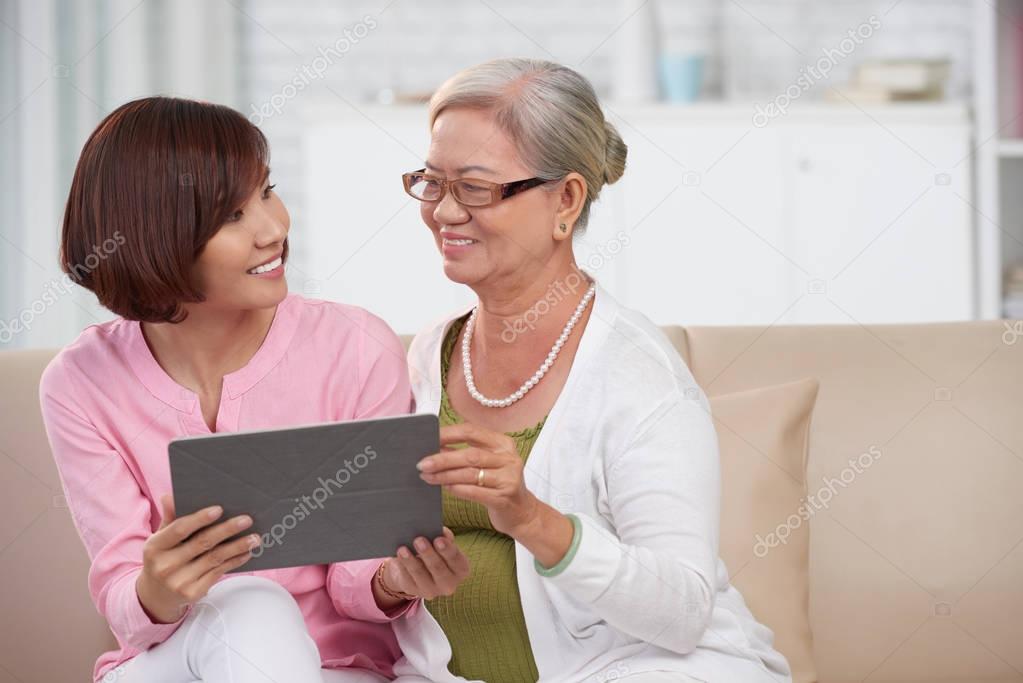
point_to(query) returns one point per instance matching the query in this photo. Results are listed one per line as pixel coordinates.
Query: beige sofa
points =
(915, 569)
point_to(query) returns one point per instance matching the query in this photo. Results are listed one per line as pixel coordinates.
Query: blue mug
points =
(681, 77)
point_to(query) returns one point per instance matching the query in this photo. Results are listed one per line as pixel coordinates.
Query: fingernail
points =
(441, 544)
(421, 544)
(214, 512)
(244, 521)
(253, 541)
(423, 464)
(404, 553)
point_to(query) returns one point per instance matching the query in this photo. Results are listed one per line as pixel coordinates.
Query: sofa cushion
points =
(765, 538)
(43, 564)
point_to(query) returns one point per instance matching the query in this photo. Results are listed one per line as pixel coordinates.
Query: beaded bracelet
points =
(399, 595)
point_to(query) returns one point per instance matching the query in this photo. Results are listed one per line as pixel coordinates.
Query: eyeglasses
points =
(466, 191)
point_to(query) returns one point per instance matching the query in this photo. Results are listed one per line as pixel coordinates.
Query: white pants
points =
(246, 630)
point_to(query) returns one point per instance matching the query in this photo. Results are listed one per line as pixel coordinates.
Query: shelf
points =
(1011, 149)
(712, 112)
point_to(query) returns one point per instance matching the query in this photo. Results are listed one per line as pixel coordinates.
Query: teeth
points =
(458, 243)
(266, 267)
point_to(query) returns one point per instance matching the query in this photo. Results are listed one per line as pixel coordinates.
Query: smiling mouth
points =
(456, 243)
(267, 267)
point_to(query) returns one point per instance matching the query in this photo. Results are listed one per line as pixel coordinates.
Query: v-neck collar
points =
(268, 355)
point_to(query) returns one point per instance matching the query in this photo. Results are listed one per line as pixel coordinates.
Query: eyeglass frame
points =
(498, 191)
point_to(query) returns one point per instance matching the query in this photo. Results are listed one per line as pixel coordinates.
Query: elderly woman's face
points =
(512, 236)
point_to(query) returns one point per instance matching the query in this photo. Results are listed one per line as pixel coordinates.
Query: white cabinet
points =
(881, 216)
(708, 225)
(827, 215)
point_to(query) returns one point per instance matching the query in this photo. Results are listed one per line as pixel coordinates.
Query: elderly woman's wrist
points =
(547, 535)
(552, 570)
(531, 523)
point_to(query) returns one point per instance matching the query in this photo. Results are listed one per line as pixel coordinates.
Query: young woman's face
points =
(252, 240)
(509, 237)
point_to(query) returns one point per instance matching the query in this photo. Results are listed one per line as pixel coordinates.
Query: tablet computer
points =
(316, 494)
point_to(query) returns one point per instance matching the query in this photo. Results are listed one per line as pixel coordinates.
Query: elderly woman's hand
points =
(488, 472)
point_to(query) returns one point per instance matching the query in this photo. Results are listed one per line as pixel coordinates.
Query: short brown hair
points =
(155, 181)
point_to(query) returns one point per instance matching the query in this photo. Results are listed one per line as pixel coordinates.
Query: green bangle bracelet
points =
(562, 565)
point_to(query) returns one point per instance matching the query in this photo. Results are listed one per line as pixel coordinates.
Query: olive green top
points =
(483, 619)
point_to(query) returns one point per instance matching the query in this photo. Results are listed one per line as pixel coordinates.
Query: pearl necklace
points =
(537, 376)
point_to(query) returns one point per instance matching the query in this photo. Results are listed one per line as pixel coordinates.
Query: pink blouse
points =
(110, 410)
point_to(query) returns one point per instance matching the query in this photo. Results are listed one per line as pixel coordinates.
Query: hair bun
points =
(615, 152)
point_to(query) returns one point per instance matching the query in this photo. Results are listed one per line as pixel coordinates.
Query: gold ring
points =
(480, 476)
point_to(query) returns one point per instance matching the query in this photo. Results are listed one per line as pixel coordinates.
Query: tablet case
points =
(316, 494)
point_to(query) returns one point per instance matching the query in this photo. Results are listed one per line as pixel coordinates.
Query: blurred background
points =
(790, 161)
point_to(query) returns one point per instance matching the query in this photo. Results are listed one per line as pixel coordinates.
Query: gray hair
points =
(552, 114)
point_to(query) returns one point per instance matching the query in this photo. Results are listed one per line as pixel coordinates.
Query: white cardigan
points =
(630, 448)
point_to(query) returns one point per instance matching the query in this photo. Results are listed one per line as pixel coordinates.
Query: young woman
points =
(172, 223)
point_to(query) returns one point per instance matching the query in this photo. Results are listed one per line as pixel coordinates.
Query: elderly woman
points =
(580, 471)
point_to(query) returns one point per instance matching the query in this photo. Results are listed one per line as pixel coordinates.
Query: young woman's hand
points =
(178, 572)
(435, 569)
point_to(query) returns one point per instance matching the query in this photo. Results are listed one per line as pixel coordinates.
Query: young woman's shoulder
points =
(97, 347)
(346, 325)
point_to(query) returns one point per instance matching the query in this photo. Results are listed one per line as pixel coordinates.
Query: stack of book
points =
(1014, 293)
(895, 80)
